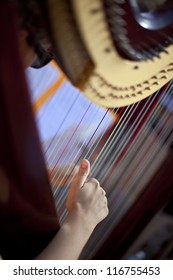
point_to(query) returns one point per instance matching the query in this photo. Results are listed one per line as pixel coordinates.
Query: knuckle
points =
(105, 202)
(94, 181)
(103, 191)
(107, 211)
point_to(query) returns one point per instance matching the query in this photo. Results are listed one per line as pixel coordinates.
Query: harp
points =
(117, 69)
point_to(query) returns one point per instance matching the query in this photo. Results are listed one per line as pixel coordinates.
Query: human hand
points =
(87, 196)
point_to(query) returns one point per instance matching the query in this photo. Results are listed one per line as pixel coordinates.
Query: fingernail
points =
(84, 164)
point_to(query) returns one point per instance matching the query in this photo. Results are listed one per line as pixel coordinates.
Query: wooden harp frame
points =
(28, 218)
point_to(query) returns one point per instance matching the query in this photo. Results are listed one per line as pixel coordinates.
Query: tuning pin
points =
(159, 47)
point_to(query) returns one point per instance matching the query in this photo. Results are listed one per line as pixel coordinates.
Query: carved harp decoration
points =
(120, 54)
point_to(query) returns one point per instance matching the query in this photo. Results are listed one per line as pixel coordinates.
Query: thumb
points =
(82, 174)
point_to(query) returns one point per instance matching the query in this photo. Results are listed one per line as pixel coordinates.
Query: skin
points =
(86, 202)
(87, 206)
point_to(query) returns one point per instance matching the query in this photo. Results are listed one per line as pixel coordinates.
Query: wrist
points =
(81, 220)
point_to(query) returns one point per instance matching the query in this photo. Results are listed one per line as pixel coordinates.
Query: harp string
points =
(117, 135)
(93, 147)
(163, 137)
(86, 142)
(61, 198)
(92, 136)
(156, 108)
(69, 141)
(115, 211)
(113, 176)
(87, 155)
(49, 107)
(87, 152)
(116, 138)
(142, 159)
(141, 163)
(94, 150)
(65, 119)
(73, 157)
(143, 118)
(142, 145)
(59, 143)
(60, 126)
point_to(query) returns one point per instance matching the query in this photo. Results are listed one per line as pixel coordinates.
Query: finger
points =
(82, 174)
(103, 192)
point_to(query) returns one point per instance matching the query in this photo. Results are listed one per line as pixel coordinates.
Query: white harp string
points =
(133, 151)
